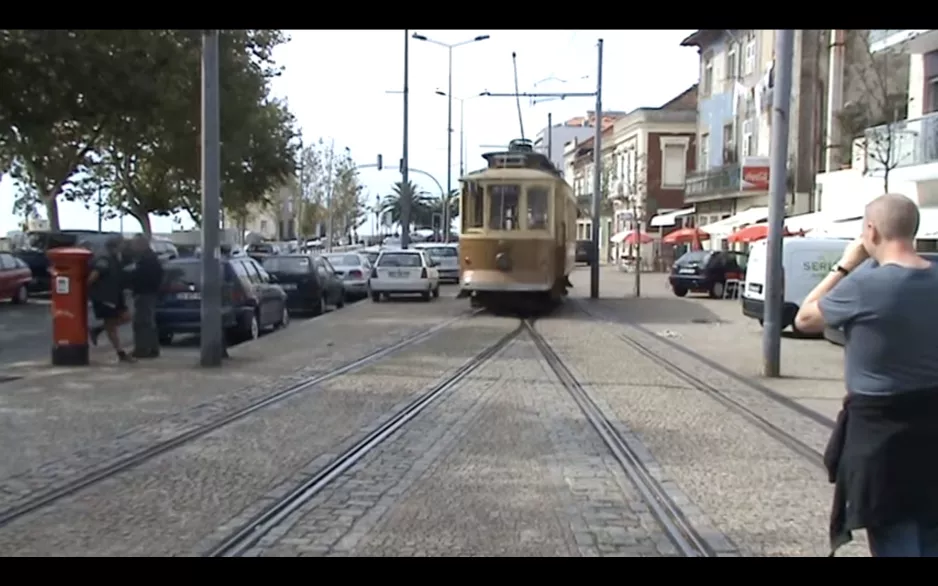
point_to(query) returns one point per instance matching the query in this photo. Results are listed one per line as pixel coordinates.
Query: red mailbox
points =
(69, 268)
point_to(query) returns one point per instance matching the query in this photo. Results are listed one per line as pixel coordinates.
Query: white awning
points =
(726, 226)
(810, 221)
(928, 224)
(845, 229)
(668, 218)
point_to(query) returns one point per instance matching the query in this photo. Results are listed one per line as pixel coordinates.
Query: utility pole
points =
(212, 348)
(637, 207)
(462, 138)
(597, 173)
(298, 212)
(772, 318)
(550, 137)
(449, 148)
(405, 179)
(100, 209)
(329, 194)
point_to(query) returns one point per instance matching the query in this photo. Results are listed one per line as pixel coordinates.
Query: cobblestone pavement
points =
(812, 369)
(67, 423)
(175, 503)
(505, 466)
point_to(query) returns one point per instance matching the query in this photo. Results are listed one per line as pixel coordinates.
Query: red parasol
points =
(636, 237)
(685, 235)
(757, 232)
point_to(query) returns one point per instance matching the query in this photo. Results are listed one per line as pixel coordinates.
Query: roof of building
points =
(702, 37)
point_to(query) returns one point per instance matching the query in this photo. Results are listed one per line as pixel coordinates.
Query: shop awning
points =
(668, 218)
(847, 229)
(928, 224)
(807, 222)
(726, 226)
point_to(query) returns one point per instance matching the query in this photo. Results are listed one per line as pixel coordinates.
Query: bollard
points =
(69, 268)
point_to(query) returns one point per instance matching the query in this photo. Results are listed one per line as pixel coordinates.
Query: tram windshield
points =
(503, 206)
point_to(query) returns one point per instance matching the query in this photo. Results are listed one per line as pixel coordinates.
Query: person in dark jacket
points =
(881, 454)
(106, 291)
(145, 281)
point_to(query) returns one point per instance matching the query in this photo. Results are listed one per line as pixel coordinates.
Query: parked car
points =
(164, 249)
(310, 282)
(261, 250)
(584, 251)
(447, 258)
(251, 299)
(15, 277)
(705, 271)
(404, 272)
(371, 253)
(354, 269)
(837, 336)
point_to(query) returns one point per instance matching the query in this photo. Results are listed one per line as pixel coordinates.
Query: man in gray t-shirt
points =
(885, 297)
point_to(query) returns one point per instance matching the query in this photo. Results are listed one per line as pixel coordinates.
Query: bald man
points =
(883, 454)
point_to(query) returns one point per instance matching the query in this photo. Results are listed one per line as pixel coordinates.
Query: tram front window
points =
(537, 208)
(473, 214)
(503, 206)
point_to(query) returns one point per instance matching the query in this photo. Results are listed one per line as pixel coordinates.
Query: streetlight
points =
(449, 121)
(462, 133)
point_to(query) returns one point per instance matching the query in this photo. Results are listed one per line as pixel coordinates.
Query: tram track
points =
(247, 535)
(785, 438)
(43, 498)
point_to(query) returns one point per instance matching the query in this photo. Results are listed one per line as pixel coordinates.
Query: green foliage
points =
(120, 110)
(421, 204)
(330, 186)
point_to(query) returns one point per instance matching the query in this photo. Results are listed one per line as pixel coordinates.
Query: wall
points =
(845, 193)
(656, 196)
(560, 135)
(715, 110)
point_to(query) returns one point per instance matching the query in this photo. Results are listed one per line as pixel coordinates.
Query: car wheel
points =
(425, 295)
(252, 328)
(680, 291)
(284, 318)
(320, 307)
(436, 292)
(22, 295)
(341, 302)
(166, 338)
(716, 290)
(376, 297)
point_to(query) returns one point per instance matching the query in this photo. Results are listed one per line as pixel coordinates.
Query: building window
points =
(703, 159)
(706, 80)
(932, 97)
(750, 57)
(674, 163)
(747, 139)
(732, 66)
(263, 226)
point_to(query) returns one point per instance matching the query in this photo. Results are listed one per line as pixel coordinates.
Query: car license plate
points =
(288, 286)
(397, 274)
(755, 287)
(687, 271)
(188, 296)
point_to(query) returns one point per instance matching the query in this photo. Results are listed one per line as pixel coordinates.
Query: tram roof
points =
(518, 174)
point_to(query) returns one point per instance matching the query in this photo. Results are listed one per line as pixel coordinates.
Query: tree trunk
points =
(143, 218)
(886, 179)
(52, 212)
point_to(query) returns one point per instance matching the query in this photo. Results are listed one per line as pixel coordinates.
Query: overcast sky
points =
(337, 83)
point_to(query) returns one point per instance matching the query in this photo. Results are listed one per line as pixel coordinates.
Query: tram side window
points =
(537, 208)
(474, 213)
(503, 206)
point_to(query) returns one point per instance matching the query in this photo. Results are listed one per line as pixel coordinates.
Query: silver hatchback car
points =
(446, 256)
(353, 268)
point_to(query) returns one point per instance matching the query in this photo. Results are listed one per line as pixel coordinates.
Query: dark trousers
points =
(146, 337)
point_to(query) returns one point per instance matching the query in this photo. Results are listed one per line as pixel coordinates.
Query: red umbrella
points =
(636, 236)
(685, 235)
(757, 232)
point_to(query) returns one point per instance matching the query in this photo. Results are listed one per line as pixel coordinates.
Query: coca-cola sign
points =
(755, 174)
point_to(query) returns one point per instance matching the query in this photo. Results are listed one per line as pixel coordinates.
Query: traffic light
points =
(380, 162)
(400, 166)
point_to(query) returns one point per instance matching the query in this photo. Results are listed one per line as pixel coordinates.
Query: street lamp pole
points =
(462, 137)
(449, 123)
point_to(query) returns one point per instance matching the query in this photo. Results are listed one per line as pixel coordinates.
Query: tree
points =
(347, 206)
(420, 204)
(878, 81)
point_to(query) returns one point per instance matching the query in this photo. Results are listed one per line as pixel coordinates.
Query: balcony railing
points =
(700, 184)
(902, 144)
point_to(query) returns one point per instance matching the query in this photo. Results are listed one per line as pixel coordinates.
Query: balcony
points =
(712, 183)
(909, 40)
(912, 154)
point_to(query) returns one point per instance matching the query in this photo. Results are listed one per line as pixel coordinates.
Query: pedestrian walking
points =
(106, 291)
(881, 454)
(145, 281)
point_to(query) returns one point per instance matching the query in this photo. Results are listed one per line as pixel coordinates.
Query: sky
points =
(345, 86)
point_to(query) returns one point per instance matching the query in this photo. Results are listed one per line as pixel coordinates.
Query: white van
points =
(805, 262)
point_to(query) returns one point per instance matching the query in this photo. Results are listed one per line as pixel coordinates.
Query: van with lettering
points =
(805, 262)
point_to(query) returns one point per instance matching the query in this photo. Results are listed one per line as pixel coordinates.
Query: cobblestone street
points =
(497, 458)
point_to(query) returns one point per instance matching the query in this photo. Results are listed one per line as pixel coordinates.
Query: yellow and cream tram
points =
(518, 237)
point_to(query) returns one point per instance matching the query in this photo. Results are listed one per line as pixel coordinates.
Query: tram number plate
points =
(397, 274)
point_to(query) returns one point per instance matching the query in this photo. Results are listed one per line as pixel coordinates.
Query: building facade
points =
(551, 141)
(735, 97)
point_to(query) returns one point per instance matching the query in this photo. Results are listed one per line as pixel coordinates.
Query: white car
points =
(446, 255)
(404, 272)
(353, 268)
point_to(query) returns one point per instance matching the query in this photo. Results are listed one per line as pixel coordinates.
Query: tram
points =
(518, 237)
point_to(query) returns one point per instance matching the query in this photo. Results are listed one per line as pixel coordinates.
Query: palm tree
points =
(420, 204)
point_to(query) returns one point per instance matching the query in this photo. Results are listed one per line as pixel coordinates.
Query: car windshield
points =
(343, 260)
(184, 272)
(441, 252)
(372, 256)
(697, 256)
(287, 264)
(399, 259)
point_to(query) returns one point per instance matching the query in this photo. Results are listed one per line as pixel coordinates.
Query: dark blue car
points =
(251, 299)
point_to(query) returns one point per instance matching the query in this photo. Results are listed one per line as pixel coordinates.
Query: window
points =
(704, 162)
(747, 139)
(750, 57)
(294, 265)
(263, 226)
(321, 268)
(261, 273)
(675, 166)
(729, 141)
(250, 272)
(328, 265)
(473, 213)
(344, 260)
(7, 262)
(538, 198)
(932, 97)
(503, 206)
(400, 259)
(706, 80)
(732, 66)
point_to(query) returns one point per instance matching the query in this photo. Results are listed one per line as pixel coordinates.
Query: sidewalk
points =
(54, 412)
